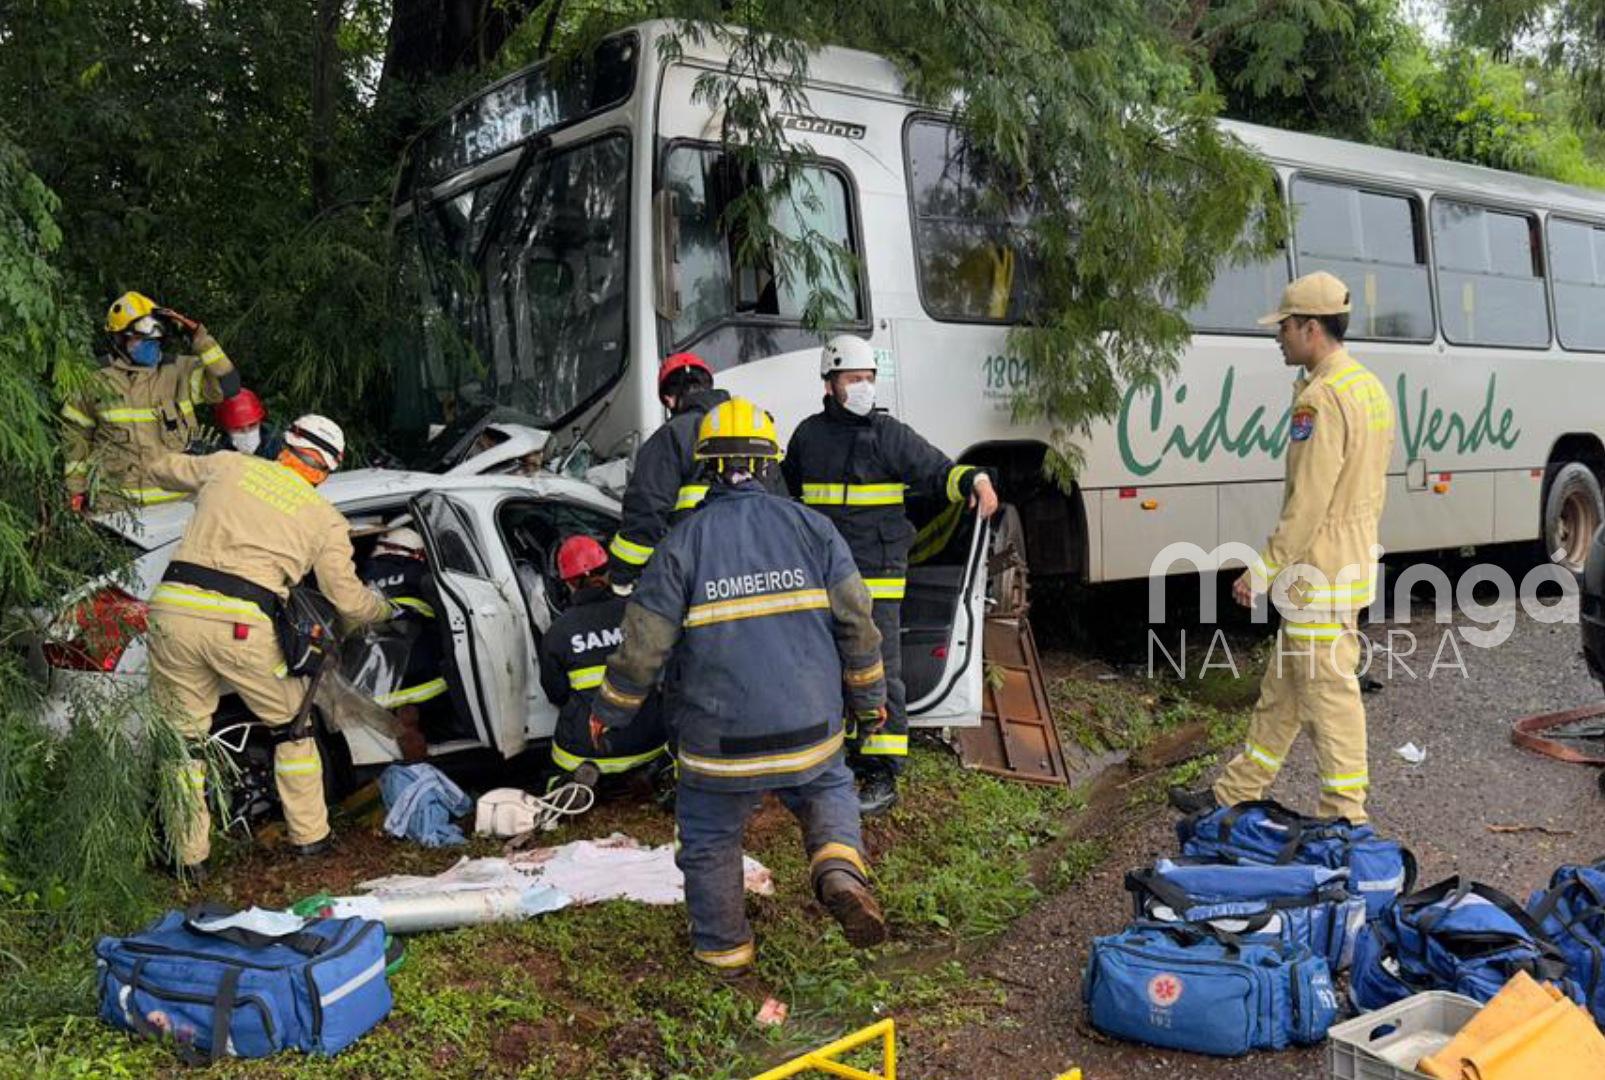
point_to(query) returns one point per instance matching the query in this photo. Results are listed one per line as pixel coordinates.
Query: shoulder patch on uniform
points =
(1302, 425)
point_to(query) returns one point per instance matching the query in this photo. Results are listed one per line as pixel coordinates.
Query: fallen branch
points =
(1545, 829)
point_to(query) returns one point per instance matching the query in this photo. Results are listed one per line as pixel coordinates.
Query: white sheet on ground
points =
(582, 871)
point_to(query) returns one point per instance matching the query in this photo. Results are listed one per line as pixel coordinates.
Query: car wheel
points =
(1574, 509)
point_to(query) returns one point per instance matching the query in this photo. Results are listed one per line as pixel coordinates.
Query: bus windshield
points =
(517, 274)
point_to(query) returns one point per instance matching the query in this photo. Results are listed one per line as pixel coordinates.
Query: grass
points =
(610, 990)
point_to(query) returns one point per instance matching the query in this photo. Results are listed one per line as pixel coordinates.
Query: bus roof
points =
(862, 73)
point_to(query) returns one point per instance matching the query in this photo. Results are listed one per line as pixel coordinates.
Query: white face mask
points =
(859, 398)
(246, 441)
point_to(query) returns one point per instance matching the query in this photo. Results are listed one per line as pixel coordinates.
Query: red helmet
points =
(680, 361)
(240, 411)
(578, 556)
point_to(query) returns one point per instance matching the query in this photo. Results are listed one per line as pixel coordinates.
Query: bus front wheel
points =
(1573, 510)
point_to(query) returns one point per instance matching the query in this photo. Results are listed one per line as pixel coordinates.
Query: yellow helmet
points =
(127, 309)
(737, 428)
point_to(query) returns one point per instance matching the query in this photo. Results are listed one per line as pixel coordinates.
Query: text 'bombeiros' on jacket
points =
(756, 609)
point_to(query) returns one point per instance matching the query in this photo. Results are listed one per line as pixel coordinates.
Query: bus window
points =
(721, 284)
(556, 280)
(1490, 276)
(1376, 242)
(974, 253)
(1241, 293)
(1577, 261)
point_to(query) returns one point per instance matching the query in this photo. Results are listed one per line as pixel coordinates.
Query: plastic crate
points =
(1386, 1044)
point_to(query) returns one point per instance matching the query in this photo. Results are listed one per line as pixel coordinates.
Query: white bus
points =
(566, 229)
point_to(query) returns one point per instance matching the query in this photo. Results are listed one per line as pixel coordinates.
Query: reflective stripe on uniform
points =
(131, 415)
(606, 765)
(1346, 375)
(886, 588)
(614, 696)
(150, 496)
(412, 695)
(1345, 782)
(587, 678)
(197, 385)
(629, 551)
(881, 743)
(955, 476)
(76, 468)
(853, 494)
(195, 775)
(740, 956)
(796, 761)
(755, 607)
(212, 354)
(690, 496)
(1355, 592)
(1313, 631)
(1263, 756)
(845, 852)
(866, 676)
(189, 598)
(415, 604)
(77, 416)
(298, 766)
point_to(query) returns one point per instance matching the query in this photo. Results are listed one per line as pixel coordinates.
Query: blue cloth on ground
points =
(421, 801)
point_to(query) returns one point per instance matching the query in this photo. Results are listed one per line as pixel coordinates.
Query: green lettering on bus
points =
(1423, 425)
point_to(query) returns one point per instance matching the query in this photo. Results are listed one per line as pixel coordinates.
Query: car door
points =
(943, 619)
(488, 639)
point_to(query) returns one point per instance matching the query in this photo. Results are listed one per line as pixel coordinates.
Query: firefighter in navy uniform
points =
(399, 569)
(666, 483)
(855, 464)
(756, 604)
(574, 652)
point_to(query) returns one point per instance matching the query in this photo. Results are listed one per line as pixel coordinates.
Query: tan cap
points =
(1313, 294)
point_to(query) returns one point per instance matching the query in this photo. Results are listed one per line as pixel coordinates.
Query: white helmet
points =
(844, 352)
(404, 539)
(314, 432)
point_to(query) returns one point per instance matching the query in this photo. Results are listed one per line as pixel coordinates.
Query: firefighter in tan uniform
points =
(259, 527)
(141, 406)
(1320, 564)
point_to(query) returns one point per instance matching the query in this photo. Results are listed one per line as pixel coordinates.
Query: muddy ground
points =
(1445, 809)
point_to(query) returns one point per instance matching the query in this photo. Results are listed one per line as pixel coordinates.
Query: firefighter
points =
(243, 421)
(756, 607)
(399, 570)
(142, 404)
(665, 485)
(1320, 564)
(574, 654)
(259, 527)
(854, 464)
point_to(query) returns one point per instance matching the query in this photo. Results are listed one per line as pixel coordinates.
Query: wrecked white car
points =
(491, 540)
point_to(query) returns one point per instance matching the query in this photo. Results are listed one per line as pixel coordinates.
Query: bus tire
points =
(1574, 509)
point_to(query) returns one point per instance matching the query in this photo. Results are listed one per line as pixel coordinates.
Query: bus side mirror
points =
(666, 254)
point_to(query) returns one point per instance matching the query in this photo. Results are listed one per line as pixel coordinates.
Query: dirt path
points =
(1472, 778)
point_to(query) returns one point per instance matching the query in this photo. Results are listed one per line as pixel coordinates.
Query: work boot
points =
(853, 906)
(1193, 802)
(312, 850)
(877, 787)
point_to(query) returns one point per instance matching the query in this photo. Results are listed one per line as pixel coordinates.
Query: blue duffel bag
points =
(1268, 833)
(1299, 905)
(1571, 913)
(1199, 989)
(219, 989)
(1457, 935)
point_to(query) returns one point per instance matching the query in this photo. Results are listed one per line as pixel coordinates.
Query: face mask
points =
(860, 398)
(247, 441)
(146, 352)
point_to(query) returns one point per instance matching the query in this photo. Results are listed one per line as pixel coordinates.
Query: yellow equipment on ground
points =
(822, 1060)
